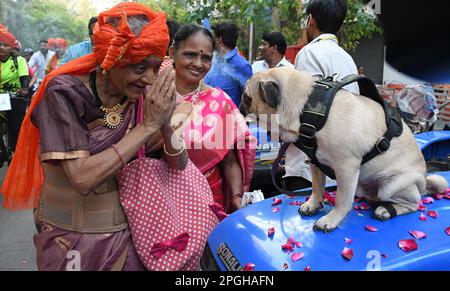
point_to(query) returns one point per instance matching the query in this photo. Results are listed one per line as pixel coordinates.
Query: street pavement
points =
(17, 252)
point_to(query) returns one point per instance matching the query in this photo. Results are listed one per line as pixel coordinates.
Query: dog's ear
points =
(270, 92)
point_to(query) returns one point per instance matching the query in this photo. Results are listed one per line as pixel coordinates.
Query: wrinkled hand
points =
(155, 142)
(160, 100)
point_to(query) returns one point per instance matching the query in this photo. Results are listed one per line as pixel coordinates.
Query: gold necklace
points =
(112, 117)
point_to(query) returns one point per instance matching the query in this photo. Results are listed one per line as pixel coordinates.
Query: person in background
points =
(59, 46)
(361, 71)
(39, 62)
(273, 49)
(322, 58)
(173, 27)
(228, 164)
(14, 79)
(258, 54)
(27, 53)
(82, 48)
(229, 71)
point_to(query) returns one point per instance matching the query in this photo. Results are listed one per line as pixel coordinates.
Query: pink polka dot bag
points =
(169, 213)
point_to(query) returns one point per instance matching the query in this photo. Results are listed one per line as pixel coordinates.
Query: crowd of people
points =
(98, 103)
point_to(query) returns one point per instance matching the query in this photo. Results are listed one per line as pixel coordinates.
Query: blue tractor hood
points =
(242, 238)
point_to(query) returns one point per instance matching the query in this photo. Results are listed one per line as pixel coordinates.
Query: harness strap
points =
(395, 127)
(315, 115)
(275, 164)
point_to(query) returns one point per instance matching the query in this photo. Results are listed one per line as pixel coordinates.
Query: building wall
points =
(370, 55)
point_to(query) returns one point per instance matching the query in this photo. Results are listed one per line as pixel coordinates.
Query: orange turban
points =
(23, 182)
(51, 42)
(119, 46)
(61, 42)
(7, 37)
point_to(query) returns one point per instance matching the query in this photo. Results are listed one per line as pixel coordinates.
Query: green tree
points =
(359, 23)
(31, 21)
(174, 9)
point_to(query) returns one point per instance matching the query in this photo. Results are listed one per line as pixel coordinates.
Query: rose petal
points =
(298, 244)
(364, 206)
(271, 232)
(371, 228)
(276, 201)
(417, 234)
(384, 256)
(427, 200)
(296, 203)
(249, 267)
(422, 207)
(447, 230)
(287, 247)
(422, 217)
(447, 196)
(357, 200)
(275, 210)
(432, 213)
(297, 256)
(285, 266)
(291, 240)
(407, 245)
(347, 253)
(348, 241)
(438, 196)
(331, 201)
(307, 269)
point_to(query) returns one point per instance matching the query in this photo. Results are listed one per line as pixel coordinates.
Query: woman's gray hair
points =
(136, 22)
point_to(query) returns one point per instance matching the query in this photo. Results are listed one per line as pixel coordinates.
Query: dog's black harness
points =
(317, 108)
(315, 115)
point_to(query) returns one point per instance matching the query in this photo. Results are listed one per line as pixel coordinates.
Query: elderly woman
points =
(79, 133)
(218, 139)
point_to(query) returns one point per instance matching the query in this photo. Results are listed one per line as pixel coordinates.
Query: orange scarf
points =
(113, 47)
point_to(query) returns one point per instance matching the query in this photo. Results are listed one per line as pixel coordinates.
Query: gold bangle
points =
(234, 196)
(178, 153)
(119, 153)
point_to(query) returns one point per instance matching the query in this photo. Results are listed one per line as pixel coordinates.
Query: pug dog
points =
(396, 178)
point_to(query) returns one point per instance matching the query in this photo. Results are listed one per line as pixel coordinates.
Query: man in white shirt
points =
(322, 58)
(39, 62)
(273, 49)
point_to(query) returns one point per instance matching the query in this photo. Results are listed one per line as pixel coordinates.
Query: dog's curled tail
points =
(436, 184)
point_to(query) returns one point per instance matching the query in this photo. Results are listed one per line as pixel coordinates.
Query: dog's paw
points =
(328, 223)
(309, 208)
(382, 213)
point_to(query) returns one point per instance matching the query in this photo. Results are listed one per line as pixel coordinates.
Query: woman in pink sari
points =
(218, 139)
